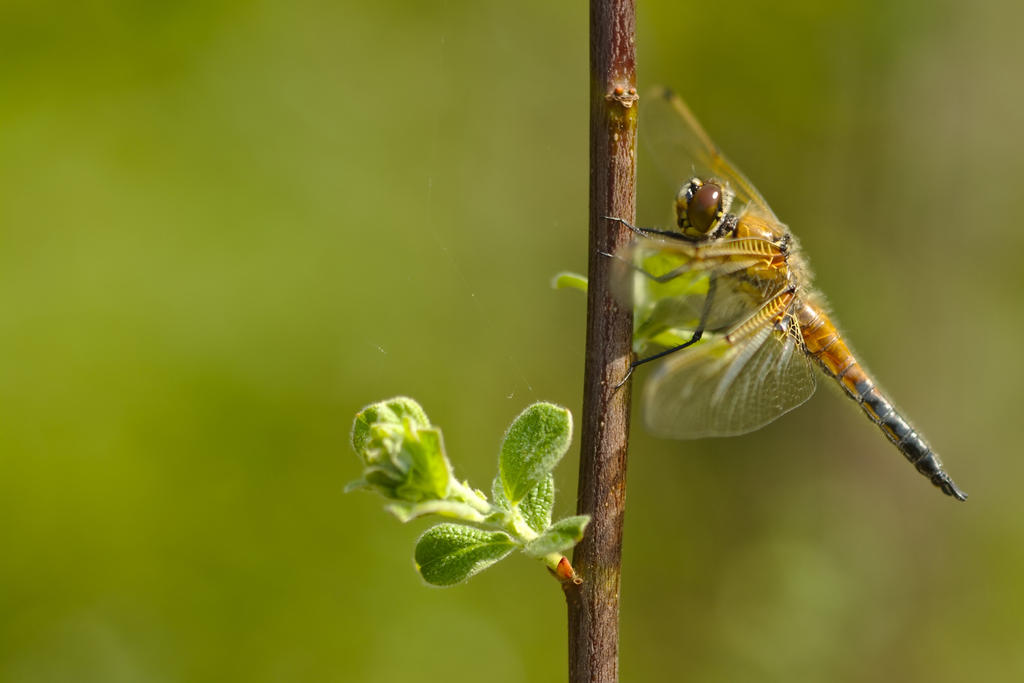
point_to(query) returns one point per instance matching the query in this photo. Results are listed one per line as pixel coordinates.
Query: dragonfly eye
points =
(704, 208)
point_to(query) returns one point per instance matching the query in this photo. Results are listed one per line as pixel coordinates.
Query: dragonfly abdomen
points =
(824, 343)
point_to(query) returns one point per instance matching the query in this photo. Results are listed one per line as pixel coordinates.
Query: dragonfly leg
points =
(644, 232)
(661, 279)
(694, 338)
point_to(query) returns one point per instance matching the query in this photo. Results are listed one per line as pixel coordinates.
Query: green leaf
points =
(662, 262)
(392, 411)
(533, 445)
(430, 472)
(448, 554)
(498, 498)
(567, 280)
(499, 518)
(536, 506)
(403, 455)
(561, 536)
(356, 485)
(446, 508)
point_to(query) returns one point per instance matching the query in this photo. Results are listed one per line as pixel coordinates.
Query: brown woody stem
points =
(594, 602)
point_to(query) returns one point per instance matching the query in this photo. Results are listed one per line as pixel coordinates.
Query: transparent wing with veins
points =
(667, 281)
(750, 366)
(682, 149)
(730, 384)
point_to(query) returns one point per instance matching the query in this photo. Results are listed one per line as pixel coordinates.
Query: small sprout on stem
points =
(404, 460)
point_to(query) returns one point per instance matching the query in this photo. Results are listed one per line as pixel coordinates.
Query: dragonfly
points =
(726, 297)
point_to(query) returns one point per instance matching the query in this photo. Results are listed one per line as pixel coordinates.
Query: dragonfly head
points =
(700, 208)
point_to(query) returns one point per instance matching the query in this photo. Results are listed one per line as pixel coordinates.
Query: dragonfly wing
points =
(667, 281)
(682, 149)
(726, 386)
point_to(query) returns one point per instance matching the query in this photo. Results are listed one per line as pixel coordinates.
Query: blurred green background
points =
(227, 226)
